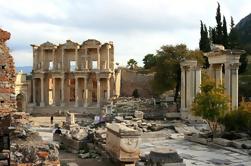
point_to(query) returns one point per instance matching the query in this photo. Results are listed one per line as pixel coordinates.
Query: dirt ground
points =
(46, 121)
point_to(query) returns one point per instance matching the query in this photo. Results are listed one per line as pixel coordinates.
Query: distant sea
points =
(24, 69)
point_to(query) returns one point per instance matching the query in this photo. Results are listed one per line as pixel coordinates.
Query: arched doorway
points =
(20, 102)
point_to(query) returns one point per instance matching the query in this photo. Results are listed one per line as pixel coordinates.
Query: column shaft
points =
(34, 92)
(98, 92)
(86, 92)
(54, 91)
(76, 92)
(76, 58)
(108, 88)
(183, 89)
(234, 87)
(42, 92)
(98, 58)
(62, 92)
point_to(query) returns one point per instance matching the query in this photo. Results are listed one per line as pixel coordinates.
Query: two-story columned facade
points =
(73, 74)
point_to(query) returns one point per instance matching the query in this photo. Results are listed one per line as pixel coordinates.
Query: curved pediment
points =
(70, 44)
(91, 43)
(47, 44)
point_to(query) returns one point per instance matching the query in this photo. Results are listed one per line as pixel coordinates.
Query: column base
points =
(62, 104)
(76, 105)
(85, 105)
(42, 104)
(98, 104)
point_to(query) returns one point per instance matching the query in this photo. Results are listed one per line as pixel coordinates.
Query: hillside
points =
(244, 31)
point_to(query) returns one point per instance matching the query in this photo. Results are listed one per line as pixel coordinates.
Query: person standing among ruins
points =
(51, 119)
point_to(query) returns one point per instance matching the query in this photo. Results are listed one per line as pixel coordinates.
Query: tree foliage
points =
(168, 74)
(204, 39)
(237, 120)
(149, 61)
(211, 104)
(220, 35)
(132, 64)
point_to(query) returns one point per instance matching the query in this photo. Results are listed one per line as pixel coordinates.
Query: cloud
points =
(135, 27)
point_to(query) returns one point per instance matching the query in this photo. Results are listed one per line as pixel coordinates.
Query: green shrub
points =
(238, 120)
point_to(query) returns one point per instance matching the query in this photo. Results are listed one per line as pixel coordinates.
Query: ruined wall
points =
(131, 80)
(7, 76)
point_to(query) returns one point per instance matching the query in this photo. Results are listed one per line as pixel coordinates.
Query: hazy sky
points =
(136, 27)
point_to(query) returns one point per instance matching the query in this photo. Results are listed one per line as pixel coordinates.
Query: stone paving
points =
(196, 154)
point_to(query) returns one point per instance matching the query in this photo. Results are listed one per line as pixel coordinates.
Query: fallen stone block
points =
(165, 156)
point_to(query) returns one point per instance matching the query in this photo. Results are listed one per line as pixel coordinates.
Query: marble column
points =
(108, 57)
(34, 91)
(234, 85)
(86, 91)
(108, 88)
(218, 74)
(98, 92)
(54, 92)
(42, 92)
(183, 89)
(62, 92)
(54, 60)
(98, 58)
(76, 92)
(189, 89)
(227, 80)
(42, 57)
(76, 58)
(62, 59)
(198, 80)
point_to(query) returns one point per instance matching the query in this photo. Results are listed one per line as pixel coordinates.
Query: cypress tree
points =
(204, 40)
(233, 36)
(202, 37)
(207, 46)
(224, 32)
(219, 35)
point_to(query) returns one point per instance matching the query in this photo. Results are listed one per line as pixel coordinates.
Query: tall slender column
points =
(76, 92)
(42, 56)
(42, 92)
(86, 92)
(62, 59)
(198, 80)
(98, 92)
(98, 58)
(234, 87)
(183, 89)
(76, 58)
(108, 88)
(54, 59)
(227, 80)
(108, 57)
(218, 74)
(86, 59)
(62, 92)
(54, 92)
(34, 91)
(188, 88)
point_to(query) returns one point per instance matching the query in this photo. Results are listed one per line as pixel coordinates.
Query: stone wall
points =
(131, 80)
(7, 75)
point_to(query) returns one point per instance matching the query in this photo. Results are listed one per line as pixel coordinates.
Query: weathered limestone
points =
(21, 91)
(230, 58)
(73, 74)
(123, 143)
(190, 84)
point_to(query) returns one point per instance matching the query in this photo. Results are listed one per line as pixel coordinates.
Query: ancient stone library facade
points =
(72, 75)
